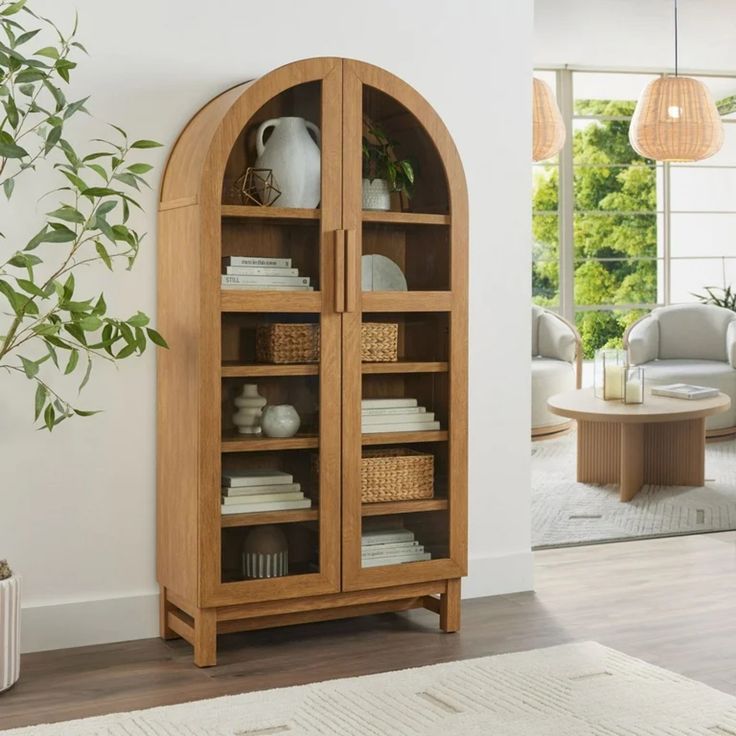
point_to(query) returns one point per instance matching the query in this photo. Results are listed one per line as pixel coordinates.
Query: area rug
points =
(566, 513)
(580, 689)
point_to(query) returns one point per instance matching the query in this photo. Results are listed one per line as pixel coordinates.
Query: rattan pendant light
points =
(676, 119)
(548, 128)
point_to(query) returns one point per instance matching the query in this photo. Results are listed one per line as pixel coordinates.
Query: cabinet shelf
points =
(406, 218)
(244, 443)
(270, 517)
(233, 369)
(405, 366)
(398, 438)
(404, 507)
(273, 214)
(233, 300)
(406, 301)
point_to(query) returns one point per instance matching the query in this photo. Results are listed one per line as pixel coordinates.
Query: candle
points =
(613, 382)
(634, 391)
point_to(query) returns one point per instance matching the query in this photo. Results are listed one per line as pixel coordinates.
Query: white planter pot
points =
(280, 421)
(376, 195)
(294, 158)
(9, 632)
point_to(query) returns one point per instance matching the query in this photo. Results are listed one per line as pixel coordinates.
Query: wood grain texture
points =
(661, 590)
(631, 460)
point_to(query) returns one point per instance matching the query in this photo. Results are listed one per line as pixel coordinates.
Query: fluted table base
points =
(636, 454)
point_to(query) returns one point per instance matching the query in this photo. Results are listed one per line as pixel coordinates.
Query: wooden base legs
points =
(205, 637)
(631, 454)
(165, 631)
(450, 607)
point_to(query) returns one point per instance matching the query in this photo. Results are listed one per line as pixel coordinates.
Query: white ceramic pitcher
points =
(294, 158)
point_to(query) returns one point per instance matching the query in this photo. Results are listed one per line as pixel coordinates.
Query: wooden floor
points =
(669, 601)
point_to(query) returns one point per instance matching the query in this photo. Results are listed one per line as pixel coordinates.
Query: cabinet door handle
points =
(351, 271)
(339, 270)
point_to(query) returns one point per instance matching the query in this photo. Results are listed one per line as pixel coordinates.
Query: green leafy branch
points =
(380, 161)
(45, 315)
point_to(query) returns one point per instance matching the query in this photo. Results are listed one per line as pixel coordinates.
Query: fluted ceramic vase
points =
(9, 632)
(294, 158)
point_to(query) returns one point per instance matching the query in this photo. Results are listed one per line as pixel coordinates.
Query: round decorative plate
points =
(379, 273)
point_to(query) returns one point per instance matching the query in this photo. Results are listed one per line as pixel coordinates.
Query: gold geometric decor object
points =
(257, 186)
(548, 128)
(676, 119)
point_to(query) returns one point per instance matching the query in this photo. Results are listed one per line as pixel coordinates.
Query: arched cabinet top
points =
(198, 161)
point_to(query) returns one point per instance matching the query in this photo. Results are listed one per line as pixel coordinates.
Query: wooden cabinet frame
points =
(195, 602)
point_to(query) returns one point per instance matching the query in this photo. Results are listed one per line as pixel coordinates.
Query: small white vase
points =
(280, 421)
(9, 632)
(249, 404)
(294, 158)
(376, 195)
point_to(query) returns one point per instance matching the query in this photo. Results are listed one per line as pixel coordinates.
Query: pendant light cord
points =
(675, 37)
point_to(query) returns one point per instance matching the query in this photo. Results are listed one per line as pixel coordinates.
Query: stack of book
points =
(253, 491)
(391, 547)
(395, 415)
(685, 391)
(255, 273)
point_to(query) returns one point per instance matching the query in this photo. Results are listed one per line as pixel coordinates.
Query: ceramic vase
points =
(294, 159)
(249, 406)
(9, 632)
(265, 553)
(280, 421)
(376, 195)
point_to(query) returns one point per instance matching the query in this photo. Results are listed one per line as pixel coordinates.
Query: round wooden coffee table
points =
(661, 441)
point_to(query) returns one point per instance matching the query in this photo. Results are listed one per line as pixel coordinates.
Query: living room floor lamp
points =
(676, 119)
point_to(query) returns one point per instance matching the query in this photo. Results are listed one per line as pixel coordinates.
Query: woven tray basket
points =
(396, 475)
(299, 343)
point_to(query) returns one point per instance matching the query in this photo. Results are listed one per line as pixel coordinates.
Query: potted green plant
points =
(719, 296)
(48, 326)
(383, 171)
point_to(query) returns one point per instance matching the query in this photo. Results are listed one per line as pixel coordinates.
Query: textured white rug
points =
(571, 690)
(565, 512)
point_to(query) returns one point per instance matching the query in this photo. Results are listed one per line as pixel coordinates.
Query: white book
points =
(685, 391)
(254, 508)
(387, 403)
(257, 490)
(403, 544)
(398, 418)
(256, 477)
(254, 287)
(257, 261)
(266, 280)
(260, 271)
(386, 536)
(406, 427)
(378, 550)
(393, 410)
(262, 498)
(380, 561)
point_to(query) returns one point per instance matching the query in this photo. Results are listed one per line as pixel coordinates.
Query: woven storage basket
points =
(299, 343)
(287, 343)
(396, 475)
(379, 342)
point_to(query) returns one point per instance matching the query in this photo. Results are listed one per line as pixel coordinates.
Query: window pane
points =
(689, 276)
(702, 235)
(702, 188)
(604, 328)
(545, 260)
(600, 235)
(616, 281)
(601, 86)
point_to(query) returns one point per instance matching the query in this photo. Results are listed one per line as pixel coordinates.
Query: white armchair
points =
(556, 367)
(689, 343)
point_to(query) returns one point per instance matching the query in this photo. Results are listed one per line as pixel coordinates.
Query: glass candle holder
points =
(634, 388)
(610, 374)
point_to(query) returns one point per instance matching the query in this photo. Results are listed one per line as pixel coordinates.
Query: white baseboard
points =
(499, 575)
(82, 623)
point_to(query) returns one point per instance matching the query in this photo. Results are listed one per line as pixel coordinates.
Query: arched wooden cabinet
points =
(211, 333)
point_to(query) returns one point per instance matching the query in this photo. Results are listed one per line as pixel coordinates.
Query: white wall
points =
(77, 507)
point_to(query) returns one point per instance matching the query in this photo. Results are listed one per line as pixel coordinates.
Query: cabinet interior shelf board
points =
(270, 301)
(397, 438)
(233, 369)
(254, 444)
(406, 301)
(407, 218)
(406, 366)
(238, 211)
(270, 517)
(404, 507)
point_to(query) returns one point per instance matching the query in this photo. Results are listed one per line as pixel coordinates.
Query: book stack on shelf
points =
(391, 547)
(254, 491)
(395, 415)
(262, 273)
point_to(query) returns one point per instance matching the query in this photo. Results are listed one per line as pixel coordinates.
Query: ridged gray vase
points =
(9, 632)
